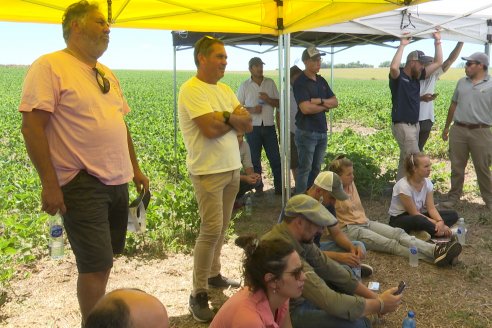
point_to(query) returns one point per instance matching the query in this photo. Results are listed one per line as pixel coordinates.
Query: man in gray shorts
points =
(75, 134)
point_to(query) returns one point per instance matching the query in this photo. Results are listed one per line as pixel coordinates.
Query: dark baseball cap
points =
(255, 61)
(420, 56)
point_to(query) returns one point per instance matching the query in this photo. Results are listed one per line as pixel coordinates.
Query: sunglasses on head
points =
(469, 63)
(102, 81)
(297, 272)
(205, 42)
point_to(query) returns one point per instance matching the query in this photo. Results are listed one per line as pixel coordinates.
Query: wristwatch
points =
(227, 116)
(322, 102)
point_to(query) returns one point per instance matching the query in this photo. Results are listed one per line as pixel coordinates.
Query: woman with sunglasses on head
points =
(412, 204)
(379, 236)
(273, 273)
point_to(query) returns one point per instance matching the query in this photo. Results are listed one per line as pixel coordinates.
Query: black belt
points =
(472, 126)
(408, 123)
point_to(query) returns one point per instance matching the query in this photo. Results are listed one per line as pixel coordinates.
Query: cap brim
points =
(339, 194)
(426, 59)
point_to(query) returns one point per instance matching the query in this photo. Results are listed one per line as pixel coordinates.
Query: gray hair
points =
(76, 12)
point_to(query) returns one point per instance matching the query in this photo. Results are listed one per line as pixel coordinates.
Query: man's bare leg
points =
(90, 288)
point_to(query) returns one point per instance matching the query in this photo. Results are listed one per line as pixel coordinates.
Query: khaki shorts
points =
(95, 221)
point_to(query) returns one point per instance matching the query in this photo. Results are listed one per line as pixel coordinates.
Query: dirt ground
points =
(441, 297)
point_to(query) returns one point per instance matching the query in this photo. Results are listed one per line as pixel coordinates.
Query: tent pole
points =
(332, 79)
(284, 108)
(175, 111)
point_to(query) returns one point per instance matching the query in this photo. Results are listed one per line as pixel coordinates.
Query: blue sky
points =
(22, 43)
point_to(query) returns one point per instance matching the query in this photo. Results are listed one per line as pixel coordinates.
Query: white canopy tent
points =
(466, 21)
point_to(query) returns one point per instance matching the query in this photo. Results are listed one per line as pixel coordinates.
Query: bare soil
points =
(44, 296)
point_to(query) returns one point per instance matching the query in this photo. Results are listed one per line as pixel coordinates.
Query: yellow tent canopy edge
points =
(233, 16)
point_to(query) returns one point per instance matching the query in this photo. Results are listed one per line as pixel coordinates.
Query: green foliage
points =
(173, 219)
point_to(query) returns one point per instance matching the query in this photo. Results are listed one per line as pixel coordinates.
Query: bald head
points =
(128, 308)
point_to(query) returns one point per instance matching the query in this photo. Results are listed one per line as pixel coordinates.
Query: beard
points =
(416, 74)
(97, 44)
(314, 239)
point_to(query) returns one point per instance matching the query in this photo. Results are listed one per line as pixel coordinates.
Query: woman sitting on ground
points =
(272, 275)
(412, 203)
(378, 236)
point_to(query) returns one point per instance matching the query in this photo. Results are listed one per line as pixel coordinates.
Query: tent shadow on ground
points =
(371, 181)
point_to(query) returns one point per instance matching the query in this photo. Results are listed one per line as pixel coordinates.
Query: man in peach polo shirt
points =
(72, 122)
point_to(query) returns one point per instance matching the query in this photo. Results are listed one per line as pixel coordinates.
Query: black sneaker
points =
(444, 253)
(198, 307)
(365, 270)
(219, 281)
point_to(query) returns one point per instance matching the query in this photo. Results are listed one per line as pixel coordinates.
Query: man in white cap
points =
(332, 296)
(314, 98)
(327, 189)
(259, 95)
(470, 111)
(404, 84)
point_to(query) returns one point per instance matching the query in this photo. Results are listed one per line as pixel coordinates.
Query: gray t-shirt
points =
(474, 102)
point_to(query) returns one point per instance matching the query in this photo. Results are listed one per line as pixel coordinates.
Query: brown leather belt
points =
(472, 126)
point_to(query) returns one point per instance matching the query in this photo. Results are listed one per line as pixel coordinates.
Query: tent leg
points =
(175, 113)
(284, 133)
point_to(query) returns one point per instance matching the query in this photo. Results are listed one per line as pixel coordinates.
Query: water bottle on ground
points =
(248, 205)
(56, 243)
(409, 321)
(413, 253)
(461, 231)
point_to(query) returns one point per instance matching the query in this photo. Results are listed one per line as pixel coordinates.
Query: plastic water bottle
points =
(248, 205)
(461, 231)
(56, 236)
(409, 321)
(413, 253)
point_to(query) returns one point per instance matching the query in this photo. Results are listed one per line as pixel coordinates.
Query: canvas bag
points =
(136, 212)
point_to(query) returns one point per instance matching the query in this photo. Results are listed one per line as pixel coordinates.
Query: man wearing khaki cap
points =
(320, 305)
(314, 98)
(470, 111)
(259, 95)
(404, 84)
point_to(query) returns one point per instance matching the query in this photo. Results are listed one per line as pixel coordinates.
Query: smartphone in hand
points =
(401, 288)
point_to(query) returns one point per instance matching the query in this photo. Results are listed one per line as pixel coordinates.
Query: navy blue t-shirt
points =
(405, 96)
(304, 90)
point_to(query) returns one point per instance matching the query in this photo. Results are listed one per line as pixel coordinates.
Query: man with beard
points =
(404, 84)
(332, 296)
(259, 95)
(471, 114)
(75, 134)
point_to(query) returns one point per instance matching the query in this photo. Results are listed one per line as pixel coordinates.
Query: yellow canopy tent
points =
(274, 17)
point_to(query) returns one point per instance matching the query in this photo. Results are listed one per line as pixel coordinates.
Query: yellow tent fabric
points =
(234, 16)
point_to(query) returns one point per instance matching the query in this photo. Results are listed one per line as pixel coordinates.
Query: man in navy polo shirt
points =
(314, 98)
(404, 84)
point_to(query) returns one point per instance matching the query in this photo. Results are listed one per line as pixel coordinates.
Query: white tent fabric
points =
(467, 21)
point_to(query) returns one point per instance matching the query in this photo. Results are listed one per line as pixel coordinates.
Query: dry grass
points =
(441, 297)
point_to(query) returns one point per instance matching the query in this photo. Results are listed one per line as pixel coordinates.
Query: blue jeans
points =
(306, 315)
(311, 149)
(266, 137)
(332, 246)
